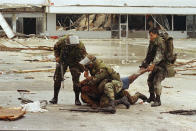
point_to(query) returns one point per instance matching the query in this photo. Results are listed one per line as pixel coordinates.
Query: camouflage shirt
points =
(101, 71)
(69, 53)
(156, 52)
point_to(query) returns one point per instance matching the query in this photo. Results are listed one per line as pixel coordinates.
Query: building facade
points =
(104, 19)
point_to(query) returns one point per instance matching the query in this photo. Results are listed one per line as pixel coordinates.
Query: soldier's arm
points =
(99, 76)
(149, 56)
(57, 47)
(82, 48)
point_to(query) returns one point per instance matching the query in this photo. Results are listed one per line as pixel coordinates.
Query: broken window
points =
(115, 26)
(66, 22)
(179, 23)
(87, 22)
(136, 22)
(163, 20)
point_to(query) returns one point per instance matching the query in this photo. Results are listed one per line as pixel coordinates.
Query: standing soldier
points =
(69, 51)
(160, 53)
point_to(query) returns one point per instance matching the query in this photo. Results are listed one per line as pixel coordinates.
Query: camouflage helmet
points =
(87, 60)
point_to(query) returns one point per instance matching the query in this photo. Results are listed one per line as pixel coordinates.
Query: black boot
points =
(157, 102)
(141, 96)
(54, 100)
(77, 100)
(151, 98)
(110, 108)
(124, 101)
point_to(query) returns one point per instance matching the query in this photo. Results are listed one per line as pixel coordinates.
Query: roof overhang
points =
(183, 7)
(120, 10)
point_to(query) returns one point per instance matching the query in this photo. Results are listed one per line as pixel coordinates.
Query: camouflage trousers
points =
(155, 78)
(112, 88)
(75, 72)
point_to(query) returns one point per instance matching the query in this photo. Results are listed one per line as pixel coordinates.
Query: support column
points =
(194, 26)
(172, 22)
(14, 22)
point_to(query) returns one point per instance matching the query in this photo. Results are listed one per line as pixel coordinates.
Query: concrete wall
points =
(83, 34)
(51, 23)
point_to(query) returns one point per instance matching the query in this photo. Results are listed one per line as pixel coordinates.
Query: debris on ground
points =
(36, 106)
(182, 112)
(22, 96)
(11, 113)
(38, 70)
(185, 65)
(29, 77)
(168, 86)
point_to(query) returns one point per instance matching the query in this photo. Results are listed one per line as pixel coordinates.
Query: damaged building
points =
(27, 17)
(102, 19)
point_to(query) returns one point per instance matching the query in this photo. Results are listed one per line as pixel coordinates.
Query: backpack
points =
(170, 57)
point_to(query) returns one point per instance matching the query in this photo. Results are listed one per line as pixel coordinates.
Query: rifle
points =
(62, 75)
(182, 112)
(106, 110)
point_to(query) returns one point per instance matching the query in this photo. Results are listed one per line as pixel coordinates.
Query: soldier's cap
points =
(88, 59)
(73, 39)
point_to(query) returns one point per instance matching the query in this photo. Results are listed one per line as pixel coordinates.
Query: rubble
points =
(38, 70)
(11, 113)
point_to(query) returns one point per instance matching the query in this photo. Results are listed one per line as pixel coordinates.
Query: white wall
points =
(51, 23)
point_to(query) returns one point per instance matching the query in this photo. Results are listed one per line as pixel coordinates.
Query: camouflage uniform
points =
(70, 56)
(102, 72)
(156, 55)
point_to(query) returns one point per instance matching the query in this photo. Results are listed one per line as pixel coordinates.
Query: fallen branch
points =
(28, 71)
(194, 74)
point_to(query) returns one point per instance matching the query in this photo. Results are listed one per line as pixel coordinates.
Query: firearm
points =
(62, 75)
(106, 110)
(59, 68)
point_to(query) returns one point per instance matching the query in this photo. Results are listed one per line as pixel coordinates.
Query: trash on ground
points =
(36, 106)
(11, 113)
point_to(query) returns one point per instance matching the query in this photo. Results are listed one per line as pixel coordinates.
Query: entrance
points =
(29, 26)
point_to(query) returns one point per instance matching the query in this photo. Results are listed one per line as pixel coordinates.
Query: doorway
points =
(29, 26)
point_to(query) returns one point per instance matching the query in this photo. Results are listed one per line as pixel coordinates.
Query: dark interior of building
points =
(29, 26)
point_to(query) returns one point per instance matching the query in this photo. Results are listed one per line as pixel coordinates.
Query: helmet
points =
(73, 39)
(88, 59)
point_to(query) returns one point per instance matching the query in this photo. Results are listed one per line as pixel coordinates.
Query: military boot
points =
(54, 100)
(141, 96)
(110, 108)
(151, 98)
(77, 100)
(124, 101)
(157, 102)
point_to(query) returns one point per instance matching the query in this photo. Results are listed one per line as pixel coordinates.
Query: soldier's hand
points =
(57, 59)
(86, 74)
(142, 69)
(150, 68)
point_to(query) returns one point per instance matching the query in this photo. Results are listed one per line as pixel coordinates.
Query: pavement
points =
(125, 57)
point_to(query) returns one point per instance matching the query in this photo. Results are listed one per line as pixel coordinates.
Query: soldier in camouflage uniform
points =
(158, 55)
(92, 94)
(69, 51)
(107, 80)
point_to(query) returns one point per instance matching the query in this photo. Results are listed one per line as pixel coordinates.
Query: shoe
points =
(53, 100)
(151, 98)
(124, 101)
(157, 102)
